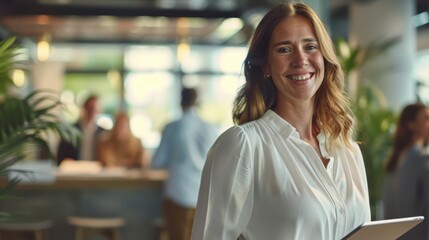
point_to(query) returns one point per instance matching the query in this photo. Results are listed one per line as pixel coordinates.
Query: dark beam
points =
(65, 10)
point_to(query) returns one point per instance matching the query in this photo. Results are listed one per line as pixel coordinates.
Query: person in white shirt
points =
(289, 169)
(183, 151)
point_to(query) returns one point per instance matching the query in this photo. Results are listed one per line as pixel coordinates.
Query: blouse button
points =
(342, 210)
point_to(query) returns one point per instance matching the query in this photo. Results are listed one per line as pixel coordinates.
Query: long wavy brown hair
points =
(402, 139)
(332, 111)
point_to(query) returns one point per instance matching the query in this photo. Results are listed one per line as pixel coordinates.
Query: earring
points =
(267, 76)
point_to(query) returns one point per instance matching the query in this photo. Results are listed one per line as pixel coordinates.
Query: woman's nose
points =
(299, 60)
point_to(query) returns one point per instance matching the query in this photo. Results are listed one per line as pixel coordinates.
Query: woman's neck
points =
(301, 118)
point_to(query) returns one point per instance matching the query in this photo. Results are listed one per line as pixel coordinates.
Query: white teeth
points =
(300, 77)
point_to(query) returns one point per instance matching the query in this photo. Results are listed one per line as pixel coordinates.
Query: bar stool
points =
(160, 233)
(39, 229)
(89, 226)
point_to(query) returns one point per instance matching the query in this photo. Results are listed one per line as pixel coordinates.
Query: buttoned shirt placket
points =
(326, 178)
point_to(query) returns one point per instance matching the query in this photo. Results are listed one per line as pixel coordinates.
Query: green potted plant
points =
(24, 120)
(375, 121)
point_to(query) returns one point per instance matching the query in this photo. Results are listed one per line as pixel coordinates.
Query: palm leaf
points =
(25, 121)
(7, 53)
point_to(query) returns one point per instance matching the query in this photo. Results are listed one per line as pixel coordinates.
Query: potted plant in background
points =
(24, 120)
(375, 121)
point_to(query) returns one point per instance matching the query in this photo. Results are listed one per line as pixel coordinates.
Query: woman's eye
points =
(283, 50)
(311, 47)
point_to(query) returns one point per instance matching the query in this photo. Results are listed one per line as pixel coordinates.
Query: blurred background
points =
(137, 55)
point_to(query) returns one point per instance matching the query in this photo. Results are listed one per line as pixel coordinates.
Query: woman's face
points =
(122, 127)
(295, 61)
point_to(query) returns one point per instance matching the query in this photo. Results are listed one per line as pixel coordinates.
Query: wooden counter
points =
(135, 195)
(104, 180)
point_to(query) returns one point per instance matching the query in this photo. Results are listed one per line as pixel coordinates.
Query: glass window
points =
(214, 59)
(77, 86)
(149, 58)
(216, 96)
(153, 102)
(152, 83)
(89, 57)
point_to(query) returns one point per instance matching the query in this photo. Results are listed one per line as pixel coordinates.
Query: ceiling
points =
(126, 21)
(220, 22)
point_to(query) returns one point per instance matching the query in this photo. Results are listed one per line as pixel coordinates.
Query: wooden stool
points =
(160, 233)
(87, 226)
(39, 229)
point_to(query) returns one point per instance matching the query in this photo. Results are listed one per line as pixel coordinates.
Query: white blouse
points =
(261, 181)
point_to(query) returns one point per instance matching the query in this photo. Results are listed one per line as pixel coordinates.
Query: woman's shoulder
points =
(234, 133)
(417, 153)
(239, 135)
(240, 131)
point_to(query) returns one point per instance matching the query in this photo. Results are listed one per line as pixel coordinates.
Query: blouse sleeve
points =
(225, 199)
(364, 181)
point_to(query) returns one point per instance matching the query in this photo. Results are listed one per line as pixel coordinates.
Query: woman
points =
(289, 169)
(406, 184)
(119, 147)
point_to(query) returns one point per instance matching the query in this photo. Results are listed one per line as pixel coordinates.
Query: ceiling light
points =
(226, 29)
(18, 77)
(183, 50)
(43, 19)
(44, 47)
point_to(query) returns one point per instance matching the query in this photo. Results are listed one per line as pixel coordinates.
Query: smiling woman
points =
(288, 169)
(295, 62)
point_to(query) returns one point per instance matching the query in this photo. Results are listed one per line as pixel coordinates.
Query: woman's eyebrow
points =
(288, 42)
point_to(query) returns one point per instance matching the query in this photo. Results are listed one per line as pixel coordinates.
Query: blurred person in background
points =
(86, 149)
(119, 147)
(406, 186)
(182, 151)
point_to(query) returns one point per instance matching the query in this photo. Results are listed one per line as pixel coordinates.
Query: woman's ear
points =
(266, 71)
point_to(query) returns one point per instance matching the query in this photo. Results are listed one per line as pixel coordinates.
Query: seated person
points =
(119, 147)
(85, 149)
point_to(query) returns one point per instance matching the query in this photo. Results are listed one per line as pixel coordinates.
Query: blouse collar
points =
(284, 128)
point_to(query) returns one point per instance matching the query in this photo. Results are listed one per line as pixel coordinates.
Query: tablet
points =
(388, 229)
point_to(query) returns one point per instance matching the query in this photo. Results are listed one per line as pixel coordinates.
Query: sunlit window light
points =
(143, 88)
(105, 121)
(114, 77)
(149, 58)
(231, 59)
(67, 96)
(196, 61)
(142, 127)
(191, 81)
